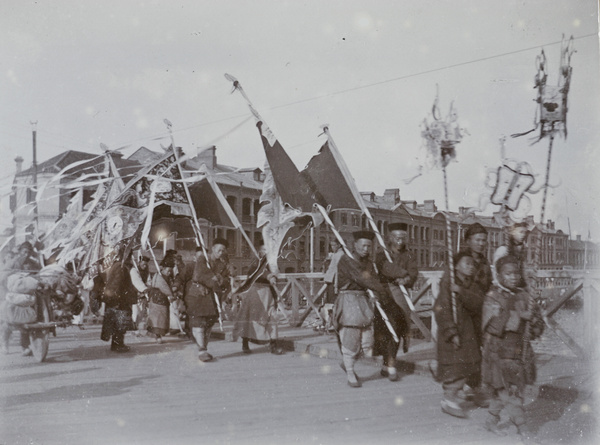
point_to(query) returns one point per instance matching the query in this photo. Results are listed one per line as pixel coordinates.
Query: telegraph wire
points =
(421, 73)
(335, 93)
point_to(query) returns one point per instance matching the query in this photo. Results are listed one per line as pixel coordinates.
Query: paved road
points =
(162, 394)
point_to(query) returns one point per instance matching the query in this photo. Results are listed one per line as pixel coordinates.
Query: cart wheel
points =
(40, 338)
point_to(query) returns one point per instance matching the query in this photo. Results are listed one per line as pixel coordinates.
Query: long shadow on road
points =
(75, 392)
(98, 352)
(41, 375)
(561, 414)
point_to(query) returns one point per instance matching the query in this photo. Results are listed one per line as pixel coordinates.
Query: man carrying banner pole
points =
(402, 271)
(196, 224)
(211, 276)
(353, 310)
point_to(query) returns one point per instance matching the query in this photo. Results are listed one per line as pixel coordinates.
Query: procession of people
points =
(484, 325)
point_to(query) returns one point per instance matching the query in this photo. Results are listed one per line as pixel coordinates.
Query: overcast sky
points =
(111, 71)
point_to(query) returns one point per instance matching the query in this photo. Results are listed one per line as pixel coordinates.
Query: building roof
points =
(250, 177)
(144, 155)
(96, 164)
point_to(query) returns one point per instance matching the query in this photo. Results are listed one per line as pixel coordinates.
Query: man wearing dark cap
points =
(211, 276)
(402, 271)
(476, 247)
(353, 309)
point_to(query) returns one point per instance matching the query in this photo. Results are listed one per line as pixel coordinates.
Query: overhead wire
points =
(162, 135)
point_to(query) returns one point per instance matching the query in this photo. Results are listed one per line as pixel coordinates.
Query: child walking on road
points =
(511, 319)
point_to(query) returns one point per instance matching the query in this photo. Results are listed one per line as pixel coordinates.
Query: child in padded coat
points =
(511, 319)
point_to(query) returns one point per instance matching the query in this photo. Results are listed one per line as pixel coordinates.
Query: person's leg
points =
(329, 316)
(515, 411)
(207, 332)
(5, 332)
(475, 390)
(202, 335)
(245, 346)
(118, 342)
(135, 312)
(451, 401)
(496, 404)
(366, 341)
(274, 348)
(25, 344)
(198, 334)
(391, 353)
(350, 339)
(142, 315)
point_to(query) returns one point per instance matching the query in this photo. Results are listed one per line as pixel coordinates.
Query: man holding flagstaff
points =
(402, 271)
(210, 278)
(353, 309)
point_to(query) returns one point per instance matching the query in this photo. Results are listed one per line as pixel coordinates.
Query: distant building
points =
(54, 198)
(547, 247)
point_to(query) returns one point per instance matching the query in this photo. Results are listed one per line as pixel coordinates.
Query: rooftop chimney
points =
(19, 162)
(391, 196)
(429, 205)
(208, 157)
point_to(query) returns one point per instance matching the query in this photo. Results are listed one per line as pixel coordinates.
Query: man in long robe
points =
(402, 271)
(476, 246)
(119, 296)
(458, 352)
(256, 320)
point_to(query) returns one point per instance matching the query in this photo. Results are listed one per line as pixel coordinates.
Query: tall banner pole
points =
(199, 237)
(450, 247)
(230, 213)
(547, 181)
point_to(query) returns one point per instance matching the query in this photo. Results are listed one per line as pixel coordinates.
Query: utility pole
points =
(34, 168)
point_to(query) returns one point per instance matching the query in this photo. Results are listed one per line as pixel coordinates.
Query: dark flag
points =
(208, 205)
(327, 181)
(292, 187)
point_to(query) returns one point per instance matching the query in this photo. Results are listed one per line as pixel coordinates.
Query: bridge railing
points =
(591, 305)
(303, 293)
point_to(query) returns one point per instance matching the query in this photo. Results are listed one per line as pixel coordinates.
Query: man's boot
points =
(353, 381)
(276, 350)
(245, 346)
(491, 424)
(200, 336)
